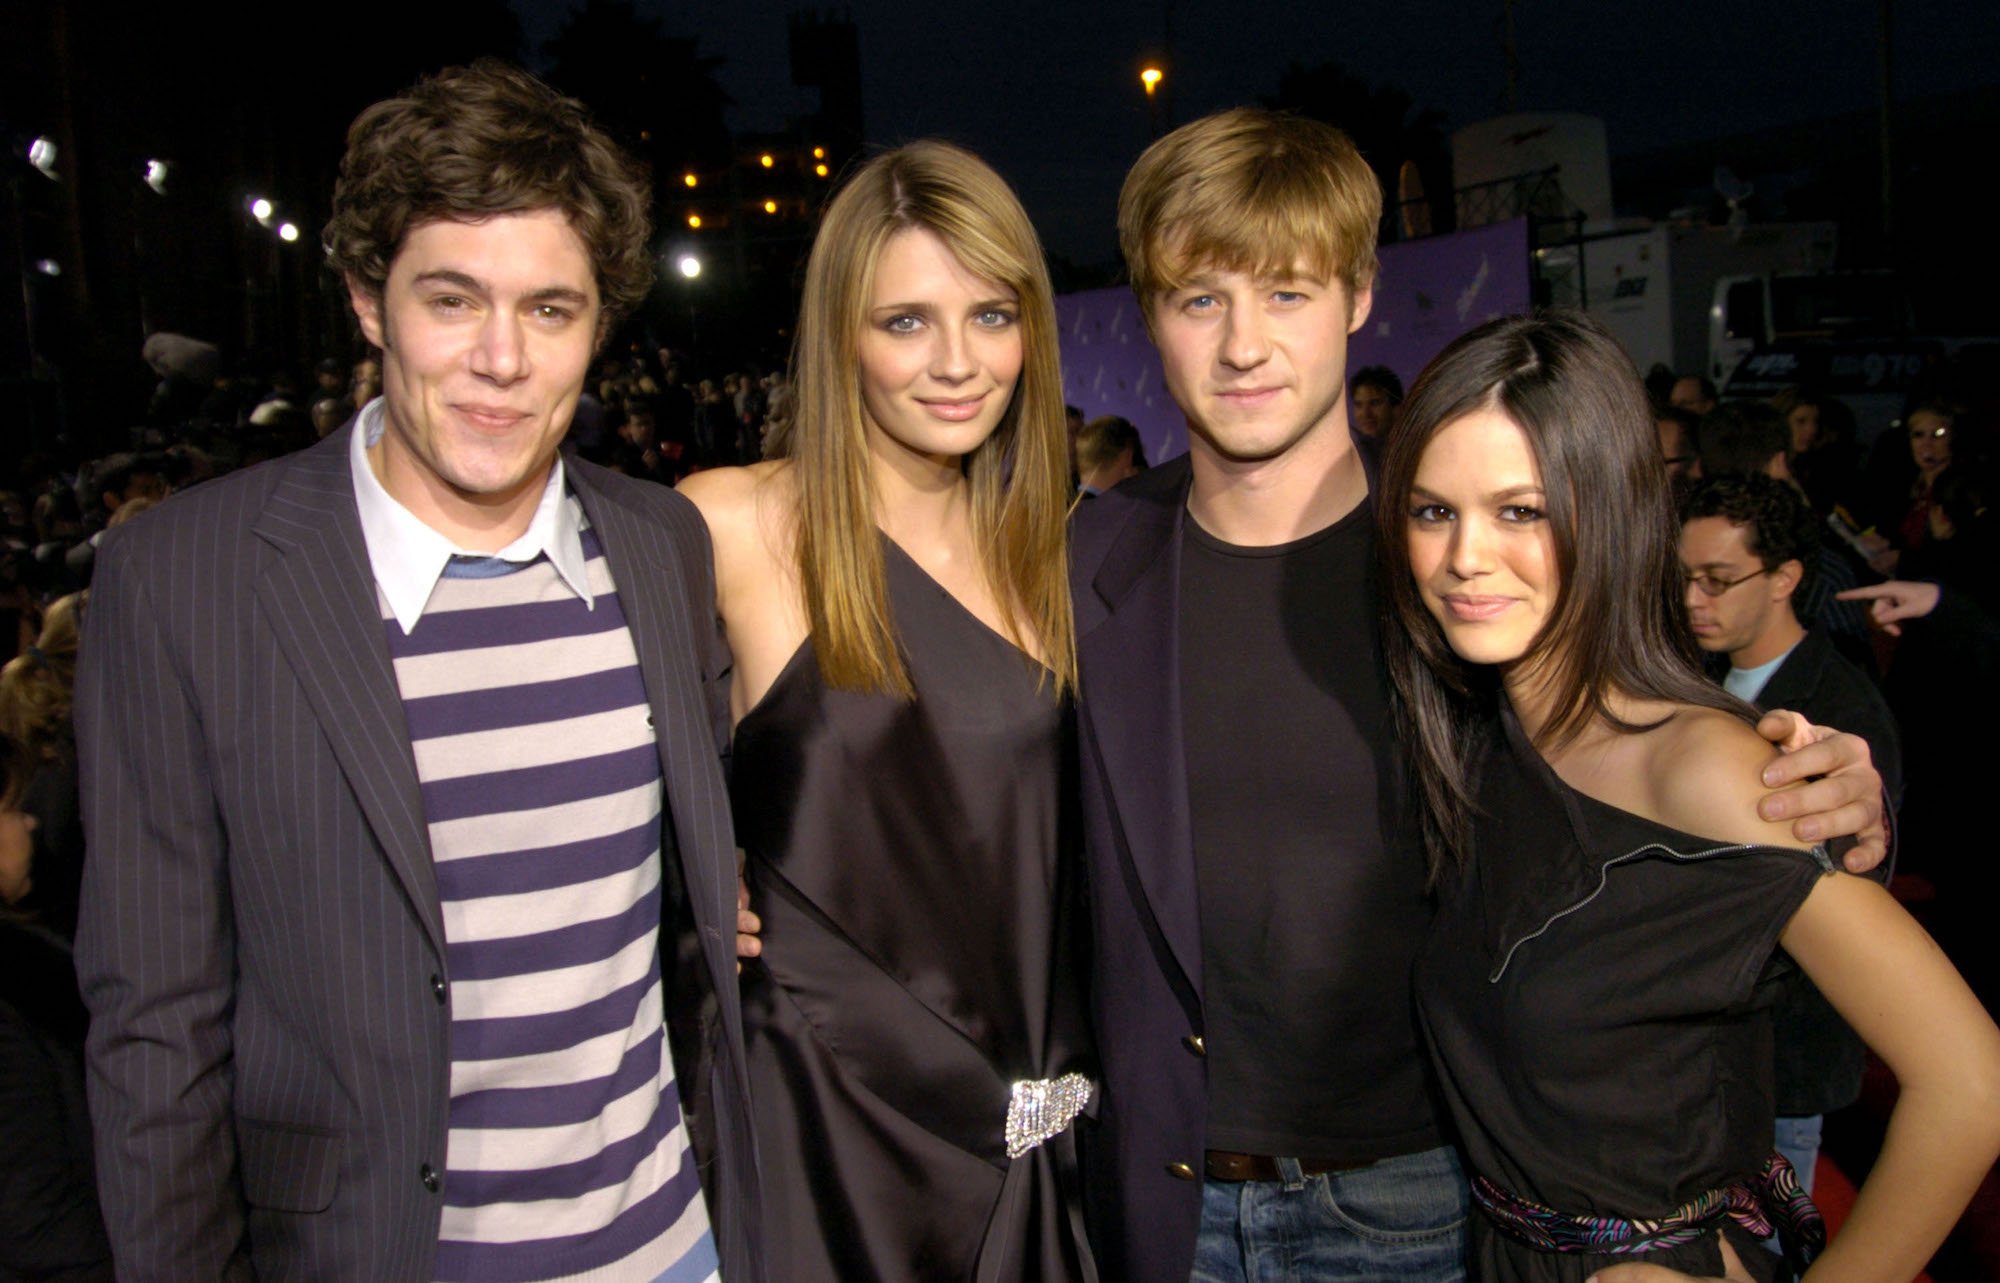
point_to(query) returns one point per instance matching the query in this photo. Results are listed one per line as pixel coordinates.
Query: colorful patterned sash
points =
(1771, 1200)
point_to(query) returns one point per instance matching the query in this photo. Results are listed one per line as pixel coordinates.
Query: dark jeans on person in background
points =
(1403, 1218)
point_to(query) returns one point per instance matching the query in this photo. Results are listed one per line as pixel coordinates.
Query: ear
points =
(1360, 305)
(1785, 579)
(367, 305)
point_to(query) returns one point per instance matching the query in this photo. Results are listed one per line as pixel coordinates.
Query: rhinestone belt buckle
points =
(1043, 1107)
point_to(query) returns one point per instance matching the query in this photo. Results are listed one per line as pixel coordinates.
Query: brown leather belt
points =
(1224, 1165)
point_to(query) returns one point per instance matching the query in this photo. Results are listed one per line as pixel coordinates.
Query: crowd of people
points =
(1908, 507)
(1320, 855)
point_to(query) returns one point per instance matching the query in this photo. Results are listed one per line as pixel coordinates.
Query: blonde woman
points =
(893, 594)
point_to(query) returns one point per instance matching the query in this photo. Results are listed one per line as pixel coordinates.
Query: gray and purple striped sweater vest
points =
(541, 787)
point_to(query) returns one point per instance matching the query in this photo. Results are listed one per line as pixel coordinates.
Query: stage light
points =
(690, 266)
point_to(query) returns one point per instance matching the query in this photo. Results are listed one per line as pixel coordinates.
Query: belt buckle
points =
(1043, 1107)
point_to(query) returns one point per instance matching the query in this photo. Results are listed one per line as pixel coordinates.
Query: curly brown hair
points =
(472, 142)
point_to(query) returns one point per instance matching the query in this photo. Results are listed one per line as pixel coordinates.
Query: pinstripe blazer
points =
(262, 947)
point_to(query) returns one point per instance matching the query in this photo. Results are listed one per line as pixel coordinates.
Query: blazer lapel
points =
(652, 587)
(320, 599)
(1796, 677)
(1131, 696)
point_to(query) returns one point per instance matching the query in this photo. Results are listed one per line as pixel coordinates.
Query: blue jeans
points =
(1397, 1220)
(1798, 1141)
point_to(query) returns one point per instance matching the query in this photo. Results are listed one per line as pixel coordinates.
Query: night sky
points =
(1049, 93)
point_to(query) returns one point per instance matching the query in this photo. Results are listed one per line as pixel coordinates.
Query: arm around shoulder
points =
(1708, 780)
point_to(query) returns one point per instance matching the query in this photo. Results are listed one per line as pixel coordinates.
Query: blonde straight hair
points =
(1248, 190)
(1019, 476)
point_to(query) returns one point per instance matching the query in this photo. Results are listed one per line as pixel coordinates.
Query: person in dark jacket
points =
(50, 1225)
(1749, 546)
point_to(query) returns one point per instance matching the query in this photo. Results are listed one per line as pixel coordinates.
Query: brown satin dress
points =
(913, 865)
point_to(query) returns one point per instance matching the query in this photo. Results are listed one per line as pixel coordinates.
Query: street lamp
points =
(260, 209)
(689, 266)
(1150, 76)
(288, 232)
(42, 155)
(690, 180)
(156, 176)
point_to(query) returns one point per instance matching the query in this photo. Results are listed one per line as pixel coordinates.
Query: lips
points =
(957, 410)
(489, 418)
(1246, 396)
(1471, 609)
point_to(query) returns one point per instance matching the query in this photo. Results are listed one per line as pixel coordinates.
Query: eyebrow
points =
(926, 309)
(1211, 275)
(472, 285)
(1498, 496)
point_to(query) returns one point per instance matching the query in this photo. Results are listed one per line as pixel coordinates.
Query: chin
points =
(1251, 447)
(1484, 648)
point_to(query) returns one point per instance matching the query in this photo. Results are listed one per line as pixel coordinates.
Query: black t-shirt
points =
(1311, 877)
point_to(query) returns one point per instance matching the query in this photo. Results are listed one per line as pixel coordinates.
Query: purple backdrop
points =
(1428, 293)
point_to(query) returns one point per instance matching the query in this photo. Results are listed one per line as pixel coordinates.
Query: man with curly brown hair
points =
(409, 922)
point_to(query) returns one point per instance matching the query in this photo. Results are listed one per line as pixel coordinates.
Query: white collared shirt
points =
(409, 556)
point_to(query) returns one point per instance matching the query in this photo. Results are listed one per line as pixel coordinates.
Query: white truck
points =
(1663, 289)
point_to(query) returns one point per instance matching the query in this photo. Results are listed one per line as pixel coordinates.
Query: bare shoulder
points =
(740, 505)
(728, 494)
(1707, 773)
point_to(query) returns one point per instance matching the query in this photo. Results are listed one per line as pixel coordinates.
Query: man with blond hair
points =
(408, 908)
(1257, 883)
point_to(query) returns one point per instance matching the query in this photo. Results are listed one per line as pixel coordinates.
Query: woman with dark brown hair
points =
(1613, 907)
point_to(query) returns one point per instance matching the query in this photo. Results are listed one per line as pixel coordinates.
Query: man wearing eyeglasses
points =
(1749, 545)
(1750, 548)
